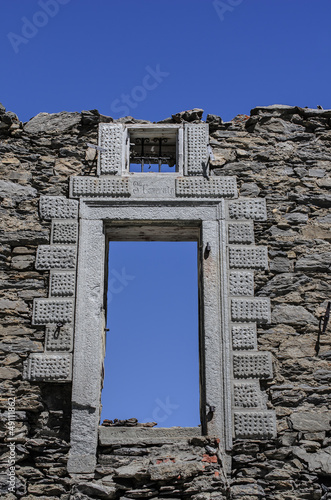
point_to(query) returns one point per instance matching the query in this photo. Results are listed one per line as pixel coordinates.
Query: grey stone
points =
(323, 376)
(16, 191)
(319, 462)
(249, 208)
(250, 257)
(247, 491)
(7, 373)
(196, 138)
(254, 424)
(319, 262)
(249, 189)
(296, 217)
(316, 172)
(89, 186)
(48, 367)
(188, 116)
(252, 365)
(21, 262)
(215, 187)
(51, 310)
(96, 489)
(111, 138)
(281, 265)
(170, 471)
(52, 123)
(292, 315)
(284, 283)
(311, 421)
(152, 435)
(256, 309)
(57, 207)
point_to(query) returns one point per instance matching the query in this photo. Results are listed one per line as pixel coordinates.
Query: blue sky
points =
(152, 351)
(226, 60)
(150, 59)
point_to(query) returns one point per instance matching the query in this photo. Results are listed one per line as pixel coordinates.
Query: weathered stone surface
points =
(95, 489)
(316, 262)
(292, 315)
(319, 462)
(52, 123)
(127, 435)
(311, 421)
(15, 191)
(170, 471)
(281, 153)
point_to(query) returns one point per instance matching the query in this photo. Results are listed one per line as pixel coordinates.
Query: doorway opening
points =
(152, 340)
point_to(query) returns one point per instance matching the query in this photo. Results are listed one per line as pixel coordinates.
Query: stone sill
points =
(149, 435)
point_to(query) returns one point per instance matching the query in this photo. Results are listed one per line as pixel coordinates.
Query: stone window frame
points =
(157, 128)
(231, 367)
(95, 221)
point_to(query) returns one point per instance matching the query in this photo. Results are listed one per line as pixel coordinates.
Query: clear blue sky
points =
(152, 351)
(91, 53)
(150, 59)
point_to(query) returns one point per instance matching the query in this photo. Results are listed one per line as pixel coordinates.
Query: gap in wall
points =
(152, 346)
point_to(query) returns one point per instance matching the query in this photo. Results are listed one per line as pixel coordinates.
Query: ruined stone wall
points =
(280, 153)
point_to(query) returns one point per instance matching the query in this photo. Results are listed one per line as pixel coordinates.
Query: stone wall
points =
(281, 153)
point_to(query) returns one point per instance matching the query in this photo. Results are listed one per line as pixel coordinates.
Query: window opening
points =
(152, 344)
(153, 151)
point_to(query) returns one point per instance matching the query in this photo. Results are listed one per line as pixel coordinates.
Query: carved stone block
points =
(241, 232)
(48, 367)
(59, 338)
(252, 365)
(252, 208)
(64, 231)
(199, 187)
(241, 283)
(256, 309)
(57, 207)
(196, 152)
(62, 284)
(52, 311)
(254, 425)
(99, 187)
(244, 336)
(250, 257)
(55, 257)
(247, 395)
(111, 139)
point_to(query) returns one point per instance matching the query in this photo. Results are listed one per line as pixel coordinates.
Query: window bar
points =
(142, 153)
(160, 153)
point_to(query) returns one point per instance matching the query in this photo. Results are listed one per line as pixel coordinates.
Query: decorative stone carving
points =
(256, 309)
(244, 336)
(241, 283)
(59, 338)
(250, 257)
(52, 311)
(99, 187)
(246, 394)
(62, 284)
(55, 257)
(252, 208)
(241, 232)
(64, 231)
(252, 365)
(48, 367)
(57, 207)
(111, 139)
(196, 151)
(199, 187)
(254, 425)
